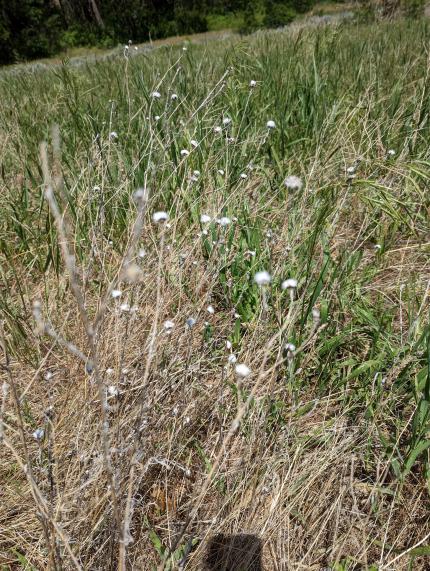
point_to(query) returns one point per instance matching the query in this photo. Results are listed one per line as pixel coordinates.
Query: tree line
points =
(40, 28)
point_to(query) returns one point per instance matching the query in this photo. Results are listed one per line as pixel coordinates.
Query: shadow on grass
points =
(241, 552)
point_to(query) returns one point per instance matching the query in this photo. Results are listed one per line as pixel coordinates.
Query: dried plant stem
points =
(92, 365)
(126, 259)
(150, 357)
(5, 392)
(42, 504)
(48, 520)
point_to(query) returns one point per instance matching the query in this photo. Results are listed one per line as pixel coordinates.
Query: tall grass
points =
(129, 440)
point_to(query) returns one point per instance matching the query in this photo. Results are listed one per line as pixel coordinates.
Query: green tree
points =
(278, 14)
(39, 28)
(300, 6)
(28, 29)
(250, 23)
(413, 8)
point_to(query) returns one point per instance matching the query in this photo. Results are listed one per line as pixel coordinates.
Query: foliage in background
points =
(39, 28)
(413, 8)
(278, 14)
(388, 9)
(28, 29)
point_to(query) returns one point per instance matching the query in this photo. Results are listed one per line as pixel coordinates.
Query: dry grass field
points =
(215, 280)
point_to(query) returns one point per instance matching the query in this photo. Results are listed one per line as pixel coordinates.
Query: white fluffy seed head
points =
(113, 135)
(113, 391)
(140, 194)
(350, 170)
(232, 359)
(391, 152)
(168, 325)
(116, 293)
(228, 344)
(185, 153)
(252, 83)
(210, 309)
(224, 221)
(293, 182)
(316, 315)
(242, 370)
(156, 95)
(173, 97)
(190, 322)
(290, 349)
(291, 283)
(160, 216)
(194, 143)
(262, 278)
(271, 124)
(132, 273)
(205, 219)
(226, 121)
(217, 129)
(38, 434)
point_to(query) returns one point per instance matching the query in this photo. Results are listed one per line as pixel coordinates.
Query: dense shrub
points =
(278, 15)
(28, 29)
(250, 23)
(301, 6)
(388, 9)
(413, 8)
(190, 22)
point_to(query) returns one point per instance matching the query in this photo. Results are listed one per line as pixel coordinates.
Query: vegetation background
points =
(32, 29)
(40, 28)
(157, 391)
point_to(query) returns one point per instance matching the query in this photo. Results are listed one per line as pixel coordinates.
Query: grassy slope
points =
(330, 461)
